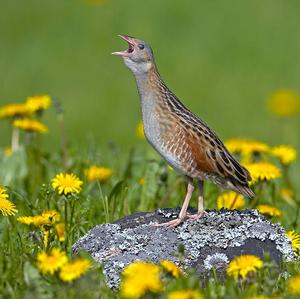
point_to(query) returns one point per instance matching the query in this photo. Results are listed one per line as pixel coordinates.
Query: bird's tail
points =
(245, 190)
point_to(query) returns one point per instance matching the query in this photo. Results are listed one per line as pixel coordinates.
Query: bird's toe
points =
(196, 216)
(170, 224)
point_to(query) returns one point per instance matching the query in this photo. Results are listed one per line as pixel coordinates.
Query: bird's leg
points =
(182, 214)
(200, 211)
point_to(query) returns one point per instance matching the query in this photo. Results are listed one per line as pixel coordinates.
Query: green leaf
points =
(14, 167)
(38, 287)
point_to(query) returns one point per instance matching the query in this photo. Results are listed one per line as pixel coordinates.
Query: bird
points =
(183, 139)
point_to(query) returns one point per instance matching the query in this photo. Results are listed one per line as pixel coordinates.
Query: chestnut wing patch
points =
(211, 156)
(200, 155)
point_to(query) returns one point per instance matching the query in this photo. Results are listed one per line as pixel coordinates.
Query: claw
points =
(170, 224)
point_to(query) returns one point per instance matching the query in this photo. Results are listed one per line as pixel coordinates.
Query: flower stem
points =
(66, 225)
(258, 195)
(15, 137)
(234, 201)
(71, 219)
(287, 177)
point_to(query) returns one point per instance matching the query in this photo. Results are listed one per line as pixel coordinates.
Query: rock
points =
(212, 241)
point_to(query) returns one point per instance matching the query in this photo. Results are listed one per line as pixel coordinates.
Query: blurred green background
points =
(222, 58)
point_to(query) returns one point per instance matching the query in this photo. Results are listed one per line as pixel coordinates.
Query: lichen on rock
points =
(211, 241)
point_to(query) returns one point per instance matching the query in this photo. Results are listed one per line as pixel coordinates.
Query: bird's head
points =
(138, 57)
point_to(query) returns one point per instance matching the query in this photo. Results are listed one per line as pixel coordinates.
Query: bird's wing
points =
(210, 153)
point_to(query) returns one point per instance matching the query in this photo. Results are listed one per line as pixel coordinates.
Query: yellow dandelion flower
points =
(3, 194)
(52, 216)
(294, 285)
(246, 146)
(25, 220)
(263, 171)
(28, 220)
(60, 231)
(94, 173)
(13, 110)
(285, 153)
(171, 268)
(284, 103)
(66, 183)
(43, 220)
(230, 200)
(30, 125)
(74, 269)
(139, 278)
(47, 218)
(242, 265)
(139, 130)
(295, 240)
(142, 181)
(269, 210)
(234, 145)
(7, 208)
(185, 294)
(38, 102)
(52, 262)
(39, 220)
(8, 151)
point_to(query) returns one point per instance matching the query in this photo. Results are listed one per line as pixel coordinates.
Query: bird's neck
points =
(150, 85)
(152, 100)
(154, 93)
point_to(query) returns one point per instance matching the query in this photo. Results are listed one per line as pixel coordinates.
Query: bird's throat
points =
(148, 86)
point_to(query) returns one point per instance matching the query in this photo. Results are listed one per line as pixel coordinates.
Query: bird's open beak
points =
(130, 41)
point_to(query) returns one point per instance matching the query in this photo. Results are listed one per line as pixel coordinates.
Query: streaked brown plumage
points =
(181, 138)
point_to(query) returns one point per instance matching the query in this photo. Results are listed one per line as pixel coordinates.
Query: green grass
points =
(27, 174)
(222, 58)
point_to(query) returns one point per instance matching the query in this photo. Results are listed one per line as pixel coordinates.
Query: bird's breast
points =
(164, 134)
(151, 120)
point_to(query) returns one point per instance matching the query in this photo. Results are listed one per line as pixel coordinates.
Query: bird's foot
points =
(170, 224)
(197, 216)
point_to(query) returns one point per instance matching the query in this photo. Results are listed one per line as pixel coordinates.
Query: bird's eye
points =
(141, 46)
